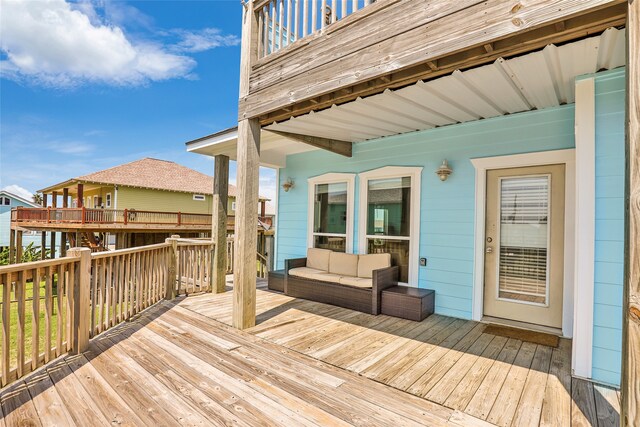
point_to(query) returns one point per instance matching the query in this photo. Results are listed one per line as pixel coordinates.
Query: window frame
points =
(387, 172)
(107, 200)
(331, 178)
(199, 197)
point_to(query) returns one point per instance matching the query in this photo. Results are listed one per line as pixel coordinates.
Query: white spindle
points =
(273, 26)
(314, 15)
(305, 18)
(260, 33)
(344, 9)
(334, 11)
(288, 35)
(322, 12)
(354, 5)
(296, 15)
(280, 23)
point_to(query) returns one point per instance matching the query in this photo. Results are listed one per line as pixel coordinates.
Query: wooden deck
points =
(305, 364)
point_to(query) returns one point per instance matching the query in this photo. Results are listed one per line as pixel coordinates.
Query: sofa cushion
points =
(368, 263)
(343, 264)
(305, 272)
(360, 282)
(326, 277)
(318, 258)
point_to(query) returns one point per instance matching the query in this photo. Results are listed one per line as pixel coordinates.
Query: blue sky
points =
(86, 85)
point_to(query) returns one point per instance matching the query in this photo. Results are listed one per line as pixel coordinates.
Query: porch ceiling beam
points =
(344, 148)
(630, 389)
(537, 27)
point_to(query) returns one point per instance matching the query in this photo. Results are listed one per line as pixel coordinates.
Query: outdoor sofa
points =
(345, 280)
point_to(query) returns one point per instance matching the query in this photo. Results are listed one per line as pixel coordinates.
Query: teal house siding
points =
(609, 232)
(447, 208)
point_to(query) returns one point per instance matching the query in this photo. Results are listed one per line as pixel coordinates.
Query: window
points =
(199, 197)
(233, 206)
(108, 200)
(95, 202)
(5, 201)
(331, 212)
(390, 214)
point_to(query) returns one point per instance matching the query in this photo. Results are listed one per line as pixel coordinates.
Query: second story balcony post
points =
(248, 158)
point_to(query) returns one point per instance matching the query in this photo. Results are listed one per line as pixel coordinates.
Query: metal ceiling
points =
(534, 81)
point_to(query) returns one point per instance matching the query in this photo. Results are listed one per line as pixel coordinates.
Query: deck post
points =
(19, 247)
(81, 301)
(63, 235)
(630, 385)
(54, 205)
(219, 229)
(80, 195)
(43, 234)
(12, 245)
(248, 162)
(170, 291)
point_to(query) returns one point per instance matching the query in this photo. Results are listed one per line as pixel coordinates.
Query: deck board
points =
(306, 364)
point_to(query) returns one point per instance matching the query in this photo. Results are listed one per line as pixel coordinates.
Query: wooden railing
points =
(125, 282)
(37, 308)
(106, 216)
(282, 22)
(194, 264)
(52, 307)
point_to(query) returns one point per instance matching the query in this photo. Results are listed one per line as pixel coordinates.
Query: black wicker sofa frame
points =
(366, 300)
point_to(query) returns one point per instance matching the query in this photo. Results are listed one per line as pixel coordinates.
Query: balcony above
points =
(345, 52)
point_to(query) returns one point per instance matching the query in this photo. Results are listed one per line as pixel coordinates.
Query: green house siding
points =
(165, 201)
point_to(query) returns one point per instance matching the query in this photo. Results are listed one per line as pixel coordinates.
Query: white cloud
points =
(19, 191)
(199, 41)
(50, 43)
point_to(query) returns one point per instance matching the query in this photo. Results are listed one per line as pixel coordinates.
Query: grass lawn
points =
(13, 333)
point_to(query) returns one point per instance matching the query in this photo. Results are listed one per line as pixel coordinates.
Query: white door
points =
(524, 244)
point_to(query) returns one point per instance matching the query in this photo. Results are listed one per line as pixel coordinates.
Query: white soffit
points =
(537, 80)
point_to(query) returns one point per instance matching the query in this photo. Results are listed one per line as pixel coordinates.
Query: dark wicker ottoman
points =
(275, 281)
(408, 303)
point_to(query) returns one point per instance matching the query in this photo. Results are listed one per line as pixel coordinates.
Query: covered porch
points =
(306, 363)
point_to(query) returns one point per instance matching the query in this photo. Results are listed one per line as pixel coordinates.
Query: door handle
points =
(489, 250)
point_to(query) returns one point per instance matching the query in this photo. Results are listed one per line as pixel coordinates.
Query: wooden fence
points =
(54, 306)
(282, 22)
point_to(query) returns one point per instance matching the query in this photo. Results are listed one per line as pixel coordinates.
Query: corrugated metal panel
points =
(538, 80)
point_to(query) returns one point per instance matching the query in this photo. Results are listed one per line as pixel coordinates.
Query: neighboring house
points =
(9, 201)
(133, 204)
(492, 175)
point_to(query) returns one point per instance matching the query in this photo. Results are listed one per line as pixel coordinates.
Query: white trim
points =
(115, 197)
(585, 227)
(108, 200)
(276, 200)
(566, 157)
(415, 172)
(332, 178)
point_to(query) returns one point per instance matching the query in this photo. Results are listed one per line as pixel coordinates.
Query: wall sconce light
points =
(288, 185)
(444, 171)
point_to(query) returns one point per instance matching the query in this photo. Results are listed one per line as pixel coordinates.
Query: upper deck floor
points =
(308, 55)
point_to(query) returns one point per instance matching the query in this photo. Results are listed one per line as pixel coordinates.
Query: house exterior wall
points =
(609, 232)
(5, 224)
(167, 201)
(447, 208)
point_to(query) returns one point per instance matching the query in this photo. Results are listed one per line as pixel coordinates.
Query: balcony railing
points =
(282, 22)
(106, 216)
